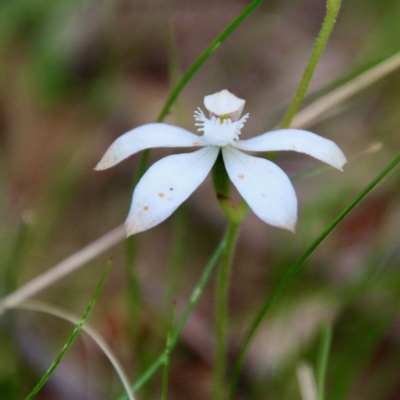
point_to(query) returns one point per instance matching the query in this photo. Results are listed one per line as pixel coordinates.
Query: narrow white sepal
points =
(265, 187)
(296, 140)
(166, 185)
(146, 137)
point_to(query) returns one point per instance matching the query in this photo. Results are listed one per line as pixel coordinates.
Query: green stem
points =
(167, 352)
(296, 266)
(332, 11)
(326, 338)
(221, 181)
(221, 317)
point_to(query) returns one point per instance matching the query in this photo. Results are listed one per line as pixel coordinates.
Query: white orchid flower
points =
(170, 181)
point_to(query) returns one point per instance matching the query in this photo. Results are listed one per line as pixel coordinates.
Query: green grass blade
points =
(72, 338)
(39, 306)
(13, 260)
(296, 266)
(168, 349)
(323, 356)
(204, 56)
(332, 11)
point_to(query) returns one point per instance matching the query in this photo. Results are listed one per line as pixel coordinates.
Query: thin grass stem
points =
(319, 107)
(323, 356)
(204, 56)
(332, 11)
(15, 257)
(72, 338)
(168, 349)
(34, 305)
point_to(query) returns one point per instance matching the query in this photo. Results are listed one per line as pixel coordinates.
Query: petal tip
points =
(99, 167)
(130, 229)
(290, 222)
(340, 162)
(107, 161)
(134, 225)
(337, 159)
(290, 226)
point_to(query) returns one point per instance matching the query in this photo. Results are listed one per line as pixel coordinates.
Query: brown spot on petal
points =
(161, 194)
(195, 144)
(145, 208)
(241, 176)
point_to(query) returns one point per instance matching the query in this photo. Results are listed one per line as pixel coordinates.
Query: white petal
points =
(166, 185)
(265, 187)
(296, 140)
(146, 137)
(224, 102)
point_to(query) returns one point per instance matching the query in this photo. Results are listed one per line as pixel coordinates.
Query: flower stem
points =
(221, 180)
(221, 317)
(332, 10)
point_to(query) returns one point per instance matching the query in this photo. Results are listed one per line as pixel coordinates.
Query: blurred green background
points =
(74, 75)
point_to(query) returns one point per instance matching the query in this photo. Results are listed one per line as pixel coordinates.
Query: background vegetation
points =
(75, 75)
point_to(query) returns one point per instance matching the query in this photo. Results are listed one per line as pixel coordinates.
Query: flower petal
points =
(296, 140)
(166, 185)
(223, 103)
(146, 137)
(265, 187)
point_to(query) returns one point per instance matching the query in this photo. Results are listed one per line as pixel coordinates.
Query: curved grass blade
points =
(72, 338)
(296, 266)
(40, 306)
